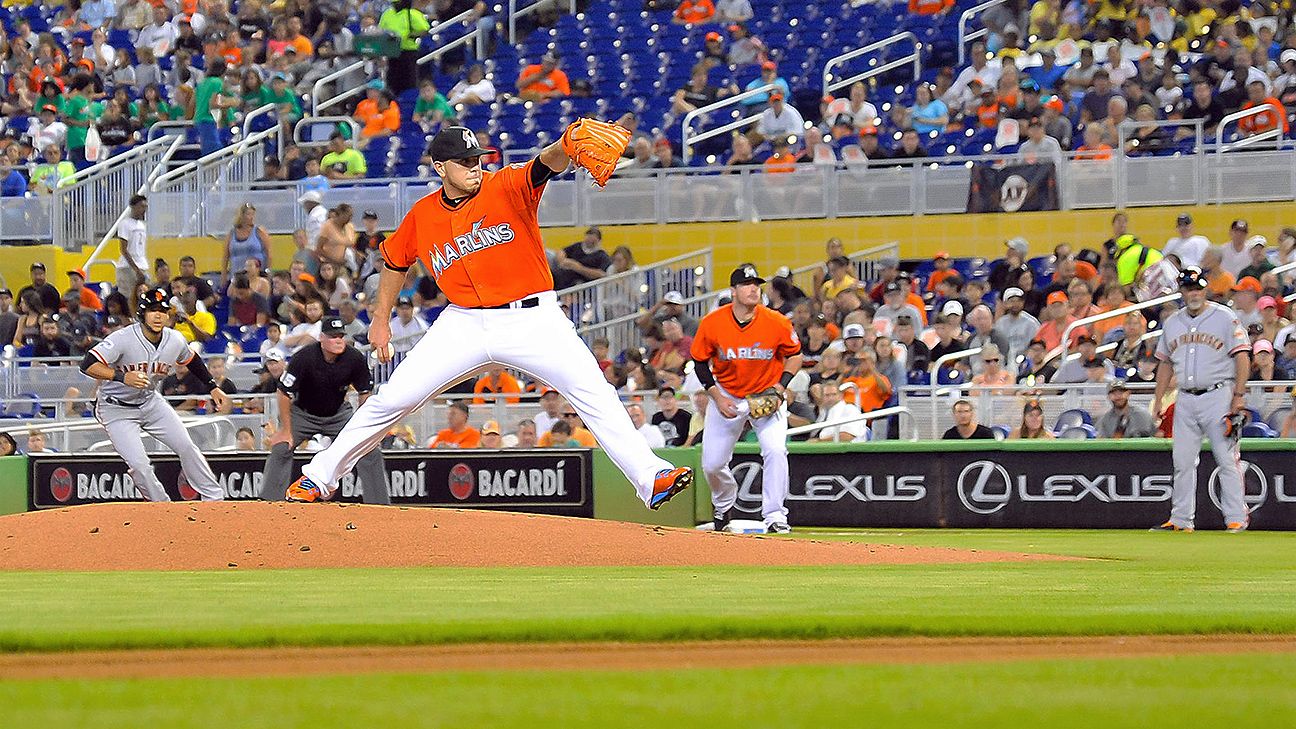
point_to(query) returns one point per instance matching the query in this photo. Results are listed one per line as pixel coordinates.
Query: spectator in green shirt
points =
(342, 161)
(210, 101)
(78, 114)
(55, 172)
(431, 107)
(252, 91)
(409, 24)
(287, 105)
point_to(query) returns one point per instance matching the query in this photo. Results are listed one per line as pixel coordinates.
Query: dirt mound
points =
(204, 536)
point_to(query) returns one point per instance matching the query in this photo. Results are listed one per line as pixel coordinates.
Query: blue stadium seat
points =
(1258, 430)
(1078, 432)
(1070, 419)
(1279, 416)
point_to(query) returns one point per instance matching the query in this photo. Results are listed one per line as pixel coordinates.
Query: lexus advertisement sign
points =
(549, 482)
(1017, 489)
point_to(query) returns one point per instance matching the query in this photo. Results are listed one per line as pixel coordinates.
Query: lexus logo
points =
(1255, 491)
(749, 493)
(984, 487)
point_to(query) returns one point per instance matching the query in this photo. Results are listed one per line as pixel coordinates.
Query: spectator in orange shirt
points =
(378, 115)
(544, 80)
(988, 110)
(89, 299)
(870, 388)
(944, 269)
(693, 12)
(1058, 313)
(459, 434)
(782, 160)
(305, 49)
(1219, 286)
(496, 381)
(568, 433)
(1263, 122)
(930, 7)
(1093, 147)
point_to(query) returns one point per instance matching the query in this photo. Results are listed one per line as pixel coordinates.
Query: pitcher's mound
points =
(241, 535)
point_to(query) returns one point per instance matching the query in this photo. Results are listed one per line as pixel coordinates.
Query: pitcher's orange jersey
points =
(485, 251)
(746, 358)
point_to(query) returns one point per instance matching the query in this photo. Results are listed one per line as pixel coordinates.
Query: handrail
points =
(462, 40)
(157, 171)
(115, 161)
(1122, 311)
(312, 120)
(830, 86)
(318, 88)
(636, 271)
(953, 357)
(1222, 146)
(174, 124)
(964, 36)
(230, 151)
(687, 124)
(514, 14)
(247, 127)
(871, 415)
(855, 257)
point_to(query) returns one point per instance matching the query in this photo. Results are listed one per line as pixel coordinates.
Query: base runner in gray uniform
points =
(1208, 350)
(312, 401)
(129, 362)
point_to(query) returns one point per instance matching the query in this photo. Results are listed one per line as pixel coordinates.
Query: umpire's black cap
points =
(332, 326)
(745, 274)
(1192, 278)
(455, 143)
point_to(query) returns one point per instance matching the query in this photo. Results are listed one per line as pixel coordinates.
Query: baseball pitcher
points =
(1208, 351)
(745, 354)
(480, 239)
(129, 362)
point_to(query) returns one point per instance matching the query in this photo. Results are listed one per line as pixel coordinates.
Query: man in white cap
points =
(1015, 252)
(312, 202)
(1017, 327)
(670, 306)
(1186, 246)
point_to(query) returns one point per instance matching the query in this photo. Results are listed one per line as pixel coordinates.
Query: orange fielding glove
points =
(596, 146)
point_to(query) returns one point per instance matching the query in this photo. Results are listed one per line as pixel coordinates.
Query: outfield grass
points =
(1136, 583)
(1243, 690)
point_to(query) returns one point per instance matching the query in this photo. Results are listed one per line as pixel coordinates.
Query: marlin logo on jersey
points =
(1203, 338)
(482, 237)
(755, 351)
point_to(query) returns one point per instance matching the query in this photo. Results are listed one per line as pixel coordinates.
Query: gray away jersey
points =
(128, 351)
(1201, 348)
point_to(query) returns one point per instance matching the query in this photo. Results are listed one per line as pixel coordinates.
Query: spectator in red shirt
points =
(543, 81)
(930, 7)
(693, 12)
(1262, 122)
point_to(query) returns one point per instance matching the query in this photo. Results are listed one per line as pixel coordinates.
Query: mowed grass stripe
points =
(1140, 583)
(1239, 690)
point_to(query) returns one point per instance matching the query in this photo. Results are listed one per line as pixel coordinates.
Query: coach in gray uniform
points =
(129, 362)
(1209, 352)
(312, 401)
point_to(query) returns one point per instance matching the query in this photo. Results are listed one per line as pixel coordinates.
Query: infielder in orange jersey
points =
(480, 239)
(740, 349)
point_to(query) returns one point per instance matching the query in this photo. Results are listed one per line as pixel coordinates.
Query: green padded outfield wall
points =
(13, 484)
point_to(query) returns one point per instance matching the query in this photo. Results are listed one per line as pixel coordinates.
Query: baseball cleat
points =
(669, 481)
(720, 522)
(778, 527)
(1170, 527)
(1235, 527)
(303, 489)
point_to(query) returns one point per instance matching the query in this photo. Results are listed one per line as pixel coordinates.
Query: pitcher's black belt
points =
(1202, 390)
(530, 302)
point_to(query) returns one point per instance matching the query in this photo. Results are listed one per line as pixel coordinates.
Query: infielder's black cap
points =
(745, 274)
(455, 143)
(332, 326)
(1192, 278)
(156, 299)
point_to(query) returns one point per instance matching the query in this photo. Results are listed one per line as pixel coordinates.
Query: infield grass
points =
(1134, 582)
(1237, 690)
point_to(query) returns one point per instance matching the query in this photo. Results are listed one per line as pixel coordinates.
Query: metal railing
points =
(84, 209)
(143, 188)
(871, 415)
(477, 33)
(622, 333)
(515, 13)
(319, 102)
(865, 262)
(189, 199)
(964, 37)
(739, 121)
(1253, 140)
(633, 291)
(914, 56)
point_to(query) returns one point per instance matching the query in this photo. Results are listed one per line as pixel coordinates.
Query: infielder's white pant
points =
(1196, 416)
(540, 341)
(157, 418)
(719, 434)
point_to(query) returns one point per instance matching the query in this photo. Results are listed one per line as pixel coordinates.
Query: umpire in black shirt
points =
(312, 401)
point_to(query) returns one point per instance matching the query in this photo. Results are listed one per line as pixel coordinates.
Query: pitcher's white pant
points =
(157, 418)
(719, 434)
(540, 341)
(1195, 416)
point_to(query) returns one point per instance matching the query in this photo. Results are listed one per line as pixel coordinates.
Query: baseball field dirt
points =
(252, 535)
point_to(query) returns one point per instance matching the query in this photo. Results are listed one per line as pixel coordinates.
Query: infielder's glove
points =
(1233, 423)
(596, 146)
(763, 403)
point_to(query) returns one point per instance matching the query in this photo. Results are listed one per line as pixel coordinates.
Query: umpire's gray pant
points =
(278, 469)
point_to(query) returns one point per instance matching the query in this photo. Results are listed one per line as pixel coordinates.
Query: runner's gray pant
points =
(278, 469)
(157, 418)
(1197, 416)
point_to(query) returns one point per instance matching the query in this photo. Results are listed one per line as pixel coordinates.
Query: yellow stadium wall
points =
(778, 242)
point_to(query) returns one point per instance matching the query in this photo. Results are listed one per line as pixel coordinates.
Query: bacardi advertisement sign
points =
(549, 481)
(1088, 489)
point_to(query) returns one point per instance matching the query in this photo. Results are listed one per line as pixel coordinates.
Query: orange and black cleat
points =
(669, 481)
(303, 489)
(1170, 527)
